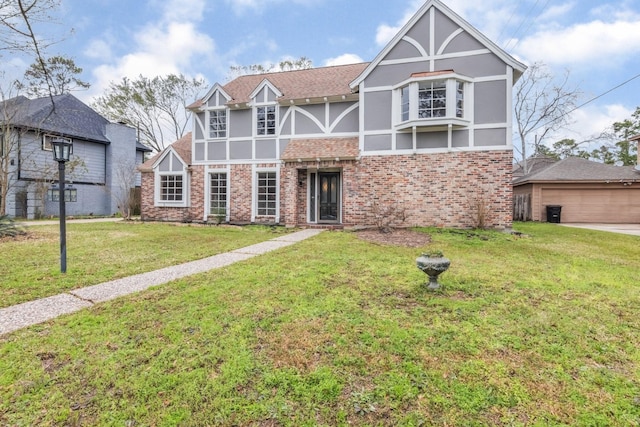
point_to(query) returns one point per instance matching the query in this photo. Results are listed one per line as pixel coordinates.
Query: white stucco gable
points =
(436, 48)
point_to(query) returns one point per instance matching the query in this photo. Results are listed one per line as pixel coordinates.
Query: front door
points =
(329, 196)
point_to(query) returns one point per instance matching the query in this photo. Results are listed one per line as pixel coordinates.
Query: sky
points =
(597, 42)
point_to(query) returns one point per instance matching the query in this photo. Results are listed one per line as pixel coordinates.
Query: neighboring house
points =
(425, 129)
(104, 153)
(587, 191)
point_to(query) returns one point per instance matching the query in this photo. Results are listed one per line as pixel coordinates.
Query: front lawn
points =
(535, 330)
(103, 251)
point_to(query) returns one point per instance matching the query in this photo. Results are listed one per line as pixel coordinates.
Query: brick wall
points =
(241, 182)
(441, 189)
(195, 210)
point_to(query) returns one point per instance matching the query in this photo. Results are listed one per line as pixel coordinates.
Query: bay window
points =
(432, 102)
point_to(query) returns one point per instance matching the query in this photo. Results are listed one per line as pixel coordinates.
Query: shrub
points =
(8, 227)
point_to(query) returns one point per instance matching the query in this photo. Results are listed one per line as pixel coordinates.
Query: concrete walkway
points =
(38, 311)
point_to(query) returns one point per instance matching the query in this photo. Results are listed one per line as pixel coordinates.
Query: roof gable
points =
(216, 91)
(181, 147)
(311, 83)
(406, 40)
(267, 86)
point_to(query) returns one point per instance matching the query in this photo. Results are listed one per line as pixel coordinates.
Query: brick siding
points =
(440, 189)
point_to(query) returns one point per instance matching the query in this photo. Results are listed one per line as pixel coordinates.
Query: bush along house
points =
(419, 136)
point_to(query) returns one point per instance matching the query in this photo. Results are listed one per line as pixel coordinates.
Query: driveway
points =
(631, 229)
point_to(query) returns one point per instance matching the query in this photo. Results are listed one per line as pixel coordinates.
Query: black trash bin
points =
(553, 213)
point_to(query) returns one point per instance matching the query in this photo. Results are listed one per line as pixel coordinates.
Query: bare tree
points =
(302, 63)
(17, 33)
(9, 149)
(156, 107)
(541, 106)
(124, 182)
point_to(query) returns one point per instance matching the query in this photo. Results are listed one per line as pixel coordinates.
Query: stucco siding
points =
(377, 142)
(494, 109)
(198, 151)
(240, 150)
(404, 141)
(307, 125)
(217, 150)
(482, 65)
(240, 123)
(460, 138)
(393, 74)
(377, 107)
(266, 149)
(432, 140)
(402, 50)
(200, 126)
(490, 137)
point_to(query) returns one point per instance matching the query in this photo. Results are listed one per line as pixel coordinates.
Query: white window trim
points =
(254, 193)
(450, 119)
(186, 184)
(277, 121)
(46, 142)
(208, 123)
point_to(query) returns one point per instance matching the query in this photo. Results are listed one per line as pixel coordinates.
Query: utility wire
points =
(588, 102)
(515, 33)
(531, 23)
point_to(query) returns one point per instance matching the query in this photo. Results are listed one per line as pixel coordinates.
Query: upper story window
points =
(218, 124)
(432, 99)
(266, 120)
(46, 142)
(428, 102)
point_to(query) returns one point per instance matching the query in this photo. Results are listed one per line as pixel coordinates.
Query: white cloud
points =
(386, 32)
(347, 58)
(183, 10)
(99, 49)
(598, 43)
(172, 45)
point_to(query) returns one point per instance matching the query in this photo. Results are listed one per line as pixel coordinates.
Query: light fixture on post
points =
(62, 149)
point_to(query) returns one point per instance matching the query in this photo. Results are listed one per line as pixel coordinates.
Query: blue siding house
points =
(102, 153)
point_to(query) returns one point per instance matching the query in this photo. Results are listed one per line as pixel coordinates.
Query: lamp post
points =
(61, 152)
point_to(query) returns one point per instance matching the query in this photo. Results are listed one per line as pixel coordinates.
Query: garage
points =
(589, 192)
(605, 205)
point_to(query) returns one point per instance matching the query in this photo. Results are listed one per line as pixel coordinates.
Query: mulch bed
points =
(395, 237)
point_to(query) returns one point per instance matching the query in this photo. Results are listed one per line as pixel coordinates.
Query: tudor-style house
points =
(425, 128)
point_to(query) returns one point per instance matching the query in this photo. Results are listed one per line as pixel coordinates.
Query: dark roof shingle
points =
(66, 116)
(579, 169)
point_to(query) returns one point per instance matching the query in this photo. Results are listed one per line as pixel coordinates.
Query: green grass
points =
(100, 252)
(533, 331)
